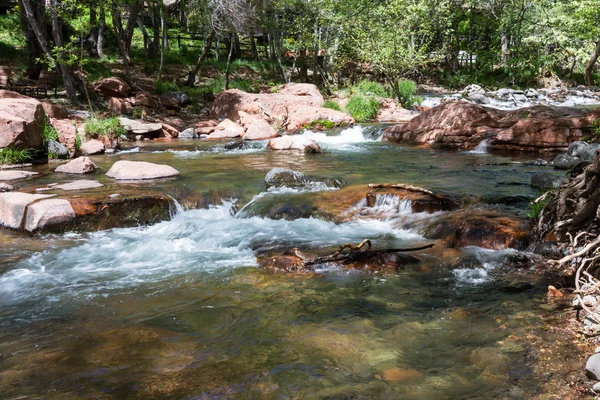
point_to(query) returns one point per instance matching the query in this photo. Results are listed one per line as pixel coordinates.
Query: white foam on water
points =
(482, 148)
(489, 259)
(195, 241)
(128, 151)
(345, 141)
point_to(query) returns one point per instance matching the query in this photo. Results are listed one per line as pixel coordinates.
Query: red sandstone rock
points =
(67, 132)
(464, 125)
(21, 123)
(112, 87)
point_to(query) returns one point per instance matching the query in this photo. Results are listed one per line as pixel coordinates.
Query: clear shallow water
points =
(181, 309)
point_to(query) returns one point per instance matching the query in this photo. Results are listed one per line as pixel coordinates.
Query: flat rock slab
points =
(13, 205)
(140, 170)
(48, 212)
(14, 175)
(81, 184)
(139, 127)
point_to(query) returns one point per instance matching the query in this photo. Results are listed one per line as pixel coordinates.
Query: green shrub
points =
(12, 155)
(77, 142)
(407, 93)
(332, 105)
(371, 88)
(362, 108)
(49, 133)
(321, 124)
(165, 86)
(108, 127)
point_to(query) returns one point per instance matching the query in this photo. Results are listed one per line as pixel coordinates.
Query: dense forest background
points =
(332, 43)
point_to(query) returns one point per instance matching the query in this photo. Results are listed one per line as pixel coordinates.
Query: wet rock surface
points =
(140, 170)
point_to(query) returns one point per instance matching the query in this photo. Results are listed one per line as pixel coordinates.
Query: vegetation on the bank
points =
(535, 207)
(406, 90)
(363, 108)
(13, 155)
(49, 133)
(108, 127)
(331, 104)
(321, 124)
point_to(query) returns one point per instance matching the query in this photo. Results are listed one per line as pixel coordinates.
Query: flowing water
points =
(181, 309)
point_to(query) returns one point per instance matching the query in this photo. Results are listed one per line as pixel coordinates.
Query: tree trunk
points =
(589, 67)
(154, 46)
(253, 46)
(163, 48)
(58, 42)
(144, 33)
(101, 29)
(231, 44)
(192, 76)
(505, 51)
(118, 28)
(34, 50)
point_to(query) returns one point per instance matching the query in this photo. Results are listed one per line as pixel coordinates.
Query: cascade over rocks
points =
(463, 125)
(21, 123)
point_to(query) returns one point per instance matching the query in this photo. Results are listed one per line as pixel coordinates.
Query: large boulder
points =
(54, 110)
(140, 170)
(464, 125)
(112, 87)
(294, 142)
(80, 165)
(565, 161)
(92, 147)
(67, 132)
(227, 129)
(545, 180)
(13, 205)
(21, 123)
(188, 133)
(9, 94)
(48, 212)
(587, 153)
(260, 130)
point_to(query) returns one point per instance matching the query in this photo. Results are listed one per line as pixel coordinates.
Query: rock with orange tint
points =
(284, 263)
(482, 228)
(554, 292)
(398, 374)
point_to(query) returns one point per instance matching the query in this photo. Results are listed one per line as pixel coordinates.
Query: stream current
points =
(181, 309)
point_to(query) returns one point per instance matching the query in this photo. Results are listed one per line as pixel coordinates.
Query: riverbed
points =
(181, 309)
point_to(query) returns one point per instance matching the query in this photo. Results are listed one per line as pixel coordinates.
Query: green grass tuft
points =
(321, 124)
(535, 208)
(108, 127)
(363, 108)
(49, 133)
(407, 93)
(332, 105)
(12, 155)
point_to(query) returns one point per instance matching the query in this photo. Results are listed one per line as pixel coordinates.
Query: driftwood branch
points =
(355, 254)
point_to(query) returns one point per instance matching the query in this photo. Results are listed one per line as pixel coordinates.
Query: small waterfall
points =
(481, 147)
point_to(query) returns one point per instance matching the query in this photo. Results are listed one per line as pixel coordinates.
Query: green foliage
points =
(333, 105)
(12, 40)
(370, 88)
(363, 108)
(407, 90)
(52, 155)
(535, 208)
(49, 133)
(165, 86)
(321, 124)
(77, 142)
(13, 155)
(138, 112)
(108, 127)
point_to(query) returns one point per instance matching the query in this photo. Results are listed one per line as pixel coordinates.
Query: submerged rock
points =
(140, 170)
(278, 177)
(81, 184)
(565, 161)
(80, 165)
(545, 180)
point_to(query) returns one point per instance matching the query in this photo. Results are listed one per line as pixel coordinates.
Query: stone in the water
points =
(188, 133)
(575, 148)
(13, 205)
(592, 367)
(278, 177)
(5, 187)
(473, 90)
(14, 175)
(136, 127)
(398, 374)
(57, 149)
(294, 142)
(48, 212)
(479, 99)
(587, 153)
(565, 161)
(80, 165)
(140, 170)
(81, 184)
(227, 129)
(260, 130)
(545, 180)
(92, 147)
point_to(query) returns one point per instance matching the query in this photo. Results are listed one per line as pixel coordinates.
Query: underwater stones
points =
(80, 165)
(15, 175)
(48, 212)
(545, 180)
(483, 228)
(294, 142)
(140, 170)
(13, 205)
(92, 147)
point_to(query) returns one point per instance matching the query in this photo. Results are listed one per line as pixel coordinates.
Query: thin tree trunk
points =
(101, 29)
(253, 46)
(163, 48)
(34, 50)
(589, 67)
(58, 42)
(231, 44)
(153, 48)
(144, 32)
(118, 28)
(192, 76)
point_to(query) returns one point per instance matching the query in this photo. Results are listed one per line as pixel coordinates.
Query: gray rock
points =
(587, 153)
(5, 187)
(80, 165)
(545, 180)
(278, 177)
(596, 387)
(14, 175)
(181, 97)
(592, 367)
(575, 148)
(532, 93)
(57, 149)
(81, 184)
(479, 99)
(473, 90)
(189, 133)
(79, 115)
(136, 127)
(521, 98)
(504, 94)
(565, 161)
(140, 170)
